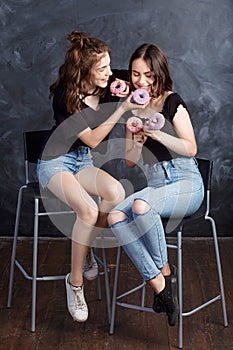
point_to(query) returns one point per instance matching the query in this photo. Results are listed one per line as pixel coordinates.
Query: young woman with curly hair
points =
(80, 90)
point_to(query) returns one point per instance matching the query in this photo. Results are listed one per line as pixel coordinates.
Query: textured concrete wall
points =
(196, 35)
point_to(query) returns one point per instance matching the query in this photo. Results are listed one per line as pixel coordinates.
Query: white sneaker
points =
(90, 266)
(76, 302)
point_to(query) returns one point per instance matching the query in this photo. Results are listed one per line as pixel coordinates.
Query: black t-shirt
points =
(154, 151)
(63, 137)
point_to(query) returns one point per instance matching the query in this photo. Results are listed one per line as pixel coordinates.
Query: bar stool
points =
(205, 167)
(33, 143)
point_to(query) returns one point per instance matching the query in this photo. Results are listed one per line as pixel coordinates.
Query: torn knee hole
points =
(116, 216)
(140, 206)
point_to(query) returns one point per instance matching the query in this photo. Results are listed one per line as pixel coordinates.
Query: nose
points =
(109, 72)
(141, 80)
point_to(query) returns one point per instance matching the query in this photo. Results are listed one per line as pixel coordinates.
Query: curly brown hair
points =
(157, 61)
(74, 73)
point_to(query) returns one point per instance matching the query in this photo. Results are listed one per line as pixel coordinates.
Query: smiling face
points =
(141, 76)
(100, 72)
(148, 66)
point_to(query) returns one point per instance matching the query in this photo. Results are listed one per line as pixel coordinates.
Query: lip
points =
(143, 87)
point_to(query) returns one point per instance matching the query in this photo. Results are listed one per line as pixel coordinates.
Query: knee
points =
(140, 206)
(115, 194)
(120, 193)
(88, 214)
(116, 216)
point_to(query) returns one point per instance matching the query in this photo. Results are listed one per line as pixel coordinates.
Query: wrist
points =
(124, 107)
(156, 135)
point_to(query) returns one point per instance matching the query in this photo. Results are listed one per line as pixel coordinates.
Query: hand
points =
(154, 134)
(125, 92)
(139, 137)
(127, 105)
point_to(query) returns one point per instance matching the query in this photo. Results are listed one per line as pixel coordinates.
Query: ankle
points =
(75, 282)
(158, 283)
(165, 270)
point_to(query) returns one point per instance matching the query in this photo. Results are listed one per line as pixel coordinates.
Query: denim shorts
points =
(72, 162)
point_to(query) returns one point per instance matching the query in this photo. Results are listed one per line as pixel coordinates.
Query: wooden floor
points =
(135, 330)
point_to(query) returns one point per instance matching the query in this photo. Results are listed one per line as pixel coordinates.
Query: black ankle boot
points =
(158, 306)
(166, 301)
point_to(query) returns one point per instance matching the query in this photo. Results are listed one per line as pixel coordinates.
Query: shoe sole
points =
(176, 313)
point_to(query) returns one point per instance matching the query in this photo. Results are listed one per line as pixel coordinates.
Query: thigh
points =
(126, 205)
(98, 182)
(176, 200)
(66, 187)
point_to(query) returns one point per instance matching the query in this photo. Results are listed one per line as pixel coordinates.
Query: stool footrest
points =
(211, 301)
(38, 278)
(135, 307)
(131, 291)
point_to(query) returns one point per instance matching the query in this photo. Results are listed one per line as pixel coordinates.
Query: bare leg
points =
(108, 189)
(166, 270)
(157, 283)
(66, 187)
(74, 191)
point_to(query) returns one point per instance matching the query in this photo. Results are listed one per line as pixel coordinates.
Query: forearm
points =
(184, 147)
(133, 147)
(93, 137)
(133, 153)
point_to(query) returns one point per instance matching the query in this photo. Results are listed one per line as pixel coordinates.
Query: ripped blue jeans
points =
(175, 190)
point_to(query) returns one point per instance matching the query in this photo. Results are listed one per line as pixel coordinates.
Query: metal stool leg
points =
(98, 287)
(225, 321)
(34, 268)
(114, 297)
(180, 297)
(13, 255)
(143, 294)
(103, 263)
(107, 287)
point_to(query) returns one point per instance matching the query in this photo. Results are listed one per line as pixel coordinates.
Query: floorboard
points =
(134, 330)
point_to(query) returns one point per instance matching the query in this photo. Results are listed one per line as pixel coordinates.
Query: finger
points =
(130, 96)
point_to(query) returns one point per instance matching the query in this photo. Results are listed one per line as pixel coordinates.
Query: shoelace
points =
(79, 302)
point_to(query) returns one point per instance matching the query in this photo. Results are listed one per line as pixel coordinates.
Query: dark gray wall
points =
(196, 35)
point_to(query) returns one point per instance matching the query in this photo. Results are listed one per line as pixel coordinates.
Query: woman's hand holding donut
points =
(119, 88)
(128, 105)
(140, 137)
(154, 134)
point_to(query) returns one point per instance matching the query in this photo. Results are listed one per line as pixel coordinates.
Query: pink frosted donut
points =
(134, 124)
(117, 87)
(140, 96)
(156, 121)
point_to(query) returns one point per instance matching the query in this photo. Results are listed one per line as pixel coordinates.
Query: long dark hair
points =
(157, 61)
(74, 73)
